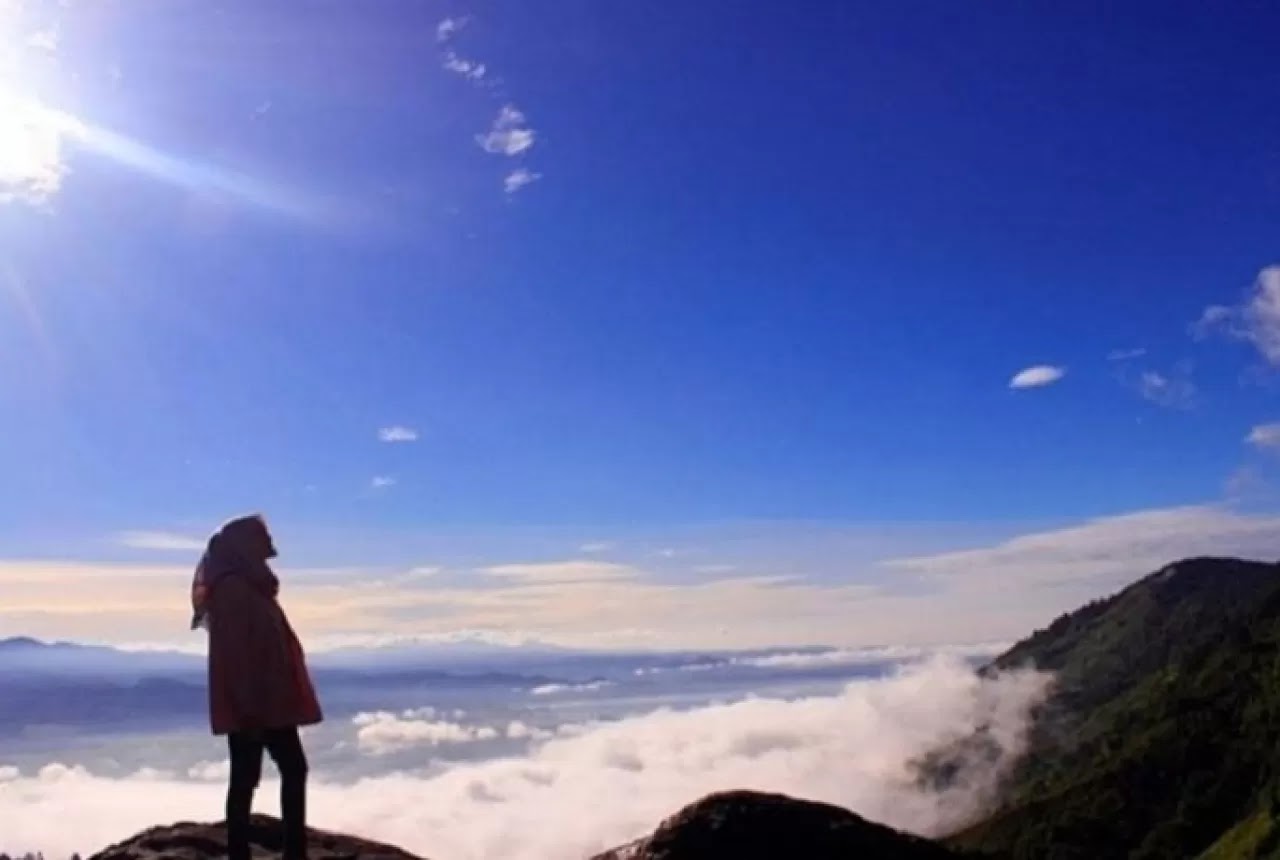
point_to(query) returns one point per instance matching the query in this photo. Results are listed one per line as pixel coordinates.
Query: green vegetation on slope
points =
(1255, 838)
(1161, 740)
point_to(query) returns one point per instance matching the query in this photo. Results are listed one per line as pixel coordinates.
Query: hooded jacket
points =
(257, 671)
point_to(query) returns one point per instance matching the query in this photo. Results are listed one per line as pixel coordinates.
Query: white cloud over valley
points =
(594, 787)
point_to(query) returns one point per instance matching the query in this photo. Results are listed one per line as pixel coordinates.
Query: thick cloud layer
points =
(595, 785)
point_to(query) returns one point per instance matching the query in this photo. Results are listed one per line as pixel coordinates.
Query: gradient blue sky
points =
(779, 264)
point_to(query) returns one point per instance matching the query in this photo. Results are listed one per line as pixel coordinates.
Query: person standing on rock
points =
(260, 692)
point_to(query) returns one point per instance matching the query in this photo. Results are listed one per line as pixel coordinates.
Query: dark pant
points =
(285, 748)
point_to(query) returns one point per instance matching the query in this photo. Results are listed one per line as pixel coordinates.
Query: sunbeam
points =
(32, 166)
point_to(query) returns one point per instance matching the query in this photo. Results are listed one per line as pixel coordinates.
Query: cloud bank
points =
(599, 785)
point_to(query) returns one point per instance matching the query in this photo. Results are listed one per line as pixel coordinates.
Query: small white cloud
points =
(519, 178)
(510, 134)
(450, 27)
(382, 733)
(382, 482)
(714, 568)
(1172, 392)
(398, 433)
(596, 546)
(44, 40)
(472, 70)
(1037, 376)
(1126, 354)
(509, 142)
(161, 541)
(1265, 437)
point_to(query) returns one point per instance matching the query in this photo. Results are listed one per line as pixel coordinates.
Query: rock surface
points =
(191, 841)
(745, 825)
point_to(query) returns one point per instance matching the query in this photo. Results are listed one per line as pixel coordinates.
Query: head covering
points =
(236, 548)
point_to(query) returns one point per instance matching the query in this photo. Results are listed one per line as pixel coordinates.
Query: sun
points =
(31, 157)
(31, 135)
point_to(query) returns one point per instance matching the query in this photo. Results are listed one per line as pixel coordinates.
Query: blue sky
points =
(647, 272)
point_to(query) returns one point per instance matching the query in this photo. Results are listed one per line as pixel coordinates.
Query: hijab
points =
(240, 548)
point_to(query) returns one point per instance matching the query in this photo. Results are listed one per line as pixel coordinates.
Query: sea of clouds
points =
(583, 786)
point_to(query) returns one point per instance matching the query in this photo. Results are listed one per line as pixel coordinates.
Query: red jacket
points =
(258, 675)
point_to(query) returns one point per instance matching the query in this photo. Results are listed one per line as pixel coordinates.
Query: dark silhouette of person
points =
(260, 692)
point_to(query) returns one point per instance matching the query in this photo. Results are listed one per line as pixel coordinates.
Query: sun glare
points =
(31, 164)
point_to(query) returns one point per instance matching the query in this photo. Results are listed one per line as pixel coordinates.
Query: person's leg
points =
(246, 770)
(286, 750)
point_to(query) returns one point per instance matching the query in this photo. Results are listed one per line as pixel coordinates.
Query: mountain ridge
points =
(1158, 740)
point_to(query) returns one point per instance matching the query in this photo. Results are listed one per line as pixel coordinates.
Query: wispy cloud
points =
(1257, 320)
(1126, 354)
(596, 546)
(564, 571)
(1247, 484)
(382, 482)
(1104, 552)
(1215, 319)
(519, 178)
(398, 433)
(1175, 391)
(1265, 437)
(160, 541)
(450, 27)
(1036, 377)
(510, 134)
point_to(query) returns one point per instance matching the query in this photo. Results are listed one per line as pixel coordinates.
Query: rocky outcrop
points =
(745, 825)
(190, 841)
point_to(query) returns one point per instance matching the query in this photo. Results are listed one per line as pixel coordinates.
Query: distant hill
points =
(746, 825)
(1162, 737)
